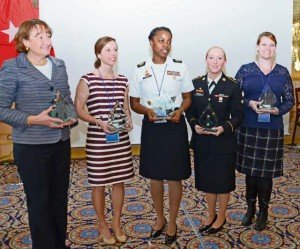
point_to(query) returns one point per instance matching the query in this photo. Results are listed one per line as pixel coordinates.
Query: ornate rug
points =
(283, 229)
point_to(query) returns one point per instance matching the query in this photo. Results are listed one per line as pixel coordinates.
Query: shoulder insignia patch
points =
(177, 61)
(232, 79)
(199, 77)
(141, 64)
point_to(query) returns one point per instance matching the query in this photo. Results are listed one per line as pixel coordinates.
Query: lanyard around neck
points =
(265, 83)
(162, 80)
(107, 95)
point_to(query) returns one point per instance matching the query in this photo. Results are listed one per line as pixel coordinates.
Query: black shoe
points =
(169, 240)
(156, 233)
(261, 221)
(215, 230)
(206, 227)
(249, 216)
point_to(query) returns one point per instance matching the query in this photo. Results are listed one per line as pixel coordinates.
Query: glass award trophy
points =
(61, 109)
(268, 99)
(163, 106)
(208, 119)
(117, 118)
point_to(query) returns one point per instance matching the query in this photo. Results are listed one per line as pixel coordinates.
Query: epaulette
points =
(141, 64)
(199, 77)
(232, 79)
(177, 61)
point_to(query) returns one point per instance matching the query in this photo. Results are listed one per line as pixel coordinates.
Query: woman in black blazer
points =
(214, 115)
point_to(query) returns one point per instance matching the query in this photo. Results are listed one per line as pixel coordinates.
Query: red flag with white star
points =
(12, 14)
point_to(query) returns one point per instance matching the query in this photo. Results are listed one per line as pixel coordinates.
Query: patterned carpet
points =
(283, 230)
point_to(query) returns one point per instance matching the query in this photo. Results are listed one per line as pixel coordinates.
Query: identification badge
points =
(264, 117)
(112, 137)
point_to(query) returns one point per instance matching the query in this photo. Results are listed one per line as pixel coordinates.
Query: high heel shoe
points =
(110, 241)
(169, 240)
(121, 238)
(213, 230)
(106, 241)
(206, 227)
(156, 233)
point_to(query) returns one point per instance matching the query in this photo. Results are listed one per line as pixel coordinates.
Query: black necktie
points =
(211, 84)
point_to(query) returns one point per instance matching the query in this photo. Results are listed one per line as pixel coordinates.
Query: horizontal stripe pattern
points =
(107, 163)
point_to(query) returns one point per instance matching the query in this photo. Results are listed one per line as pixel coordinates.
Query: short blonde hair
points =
(218, 48)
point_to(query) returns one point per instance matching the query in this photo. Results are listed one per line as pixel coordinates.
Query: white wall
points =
(196, 26)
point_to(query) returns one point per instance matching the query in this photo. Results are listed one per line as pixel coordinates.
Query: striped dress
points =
(107, 163)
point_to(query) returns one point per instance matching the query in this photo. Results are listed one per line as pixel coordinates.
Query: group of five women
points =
(228, 131)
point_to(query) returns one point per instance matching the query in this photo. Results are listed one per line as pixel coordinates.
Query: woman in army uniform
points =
(161, 92)
(214, 115)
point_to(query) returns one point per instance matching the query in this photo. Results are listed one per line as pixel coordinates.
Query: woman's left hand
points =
(70, 122)
(217, 131)
(175, 116)
(274, 111)
(129, 125)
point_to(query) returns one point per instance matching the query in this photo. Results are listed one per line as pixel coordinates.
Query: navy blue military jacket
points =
(226, 101)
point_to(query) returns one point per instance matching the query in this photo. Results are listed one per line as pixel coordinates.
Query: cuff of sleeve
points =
(228, 127)
(193, 122)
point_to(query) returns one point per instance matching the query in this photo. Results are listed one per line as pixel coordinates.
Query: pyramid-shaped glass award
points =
(163, 106)
(208, 119)
(61, 109)
(268, 99)
(117, 118)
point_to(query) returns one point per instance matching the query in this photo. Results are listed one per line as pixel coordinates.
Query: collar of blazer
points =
(29, 69)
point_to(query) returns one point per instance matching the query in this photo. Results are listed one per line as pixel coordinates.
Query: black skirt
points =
(165, 151)
(214, 173)
(260, 152)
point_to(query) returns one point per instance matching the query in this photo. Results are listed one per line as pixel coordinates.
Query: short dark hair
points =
(155, 30)
(24, 30)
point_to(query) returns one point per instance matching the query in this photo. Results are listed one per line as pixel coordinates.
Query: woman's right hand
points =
(151, 115)
(254, 105)
(105, 126)
(44, 119)
(200, 130)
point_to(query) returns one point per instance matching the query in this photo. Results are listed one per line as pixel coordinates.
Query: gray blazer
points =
(32, 92)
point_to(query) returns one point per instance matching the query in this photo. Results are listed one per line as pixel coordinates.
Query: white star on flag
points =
(11, 31)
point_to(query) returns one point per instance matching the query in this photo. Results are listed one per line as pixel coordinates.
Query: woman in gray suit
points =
(41, 141)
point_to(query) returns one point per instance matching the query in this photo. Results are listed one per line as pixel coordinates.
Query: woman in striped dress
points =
(109, 157)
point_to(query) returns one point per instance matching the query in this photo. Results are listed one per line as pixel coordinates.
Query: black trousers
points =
(44, 170)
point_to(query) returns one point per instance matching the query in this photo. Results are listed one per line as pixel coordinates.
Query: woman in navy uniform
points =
(215, 150)
(164, 144)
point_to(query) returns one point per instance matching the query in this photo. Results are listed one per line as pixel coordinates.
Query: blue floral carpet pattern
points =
(283, 229)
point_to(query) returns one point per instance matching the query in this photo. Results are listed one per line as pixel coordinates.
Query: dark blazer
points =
(226, 100)
(32, 92)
